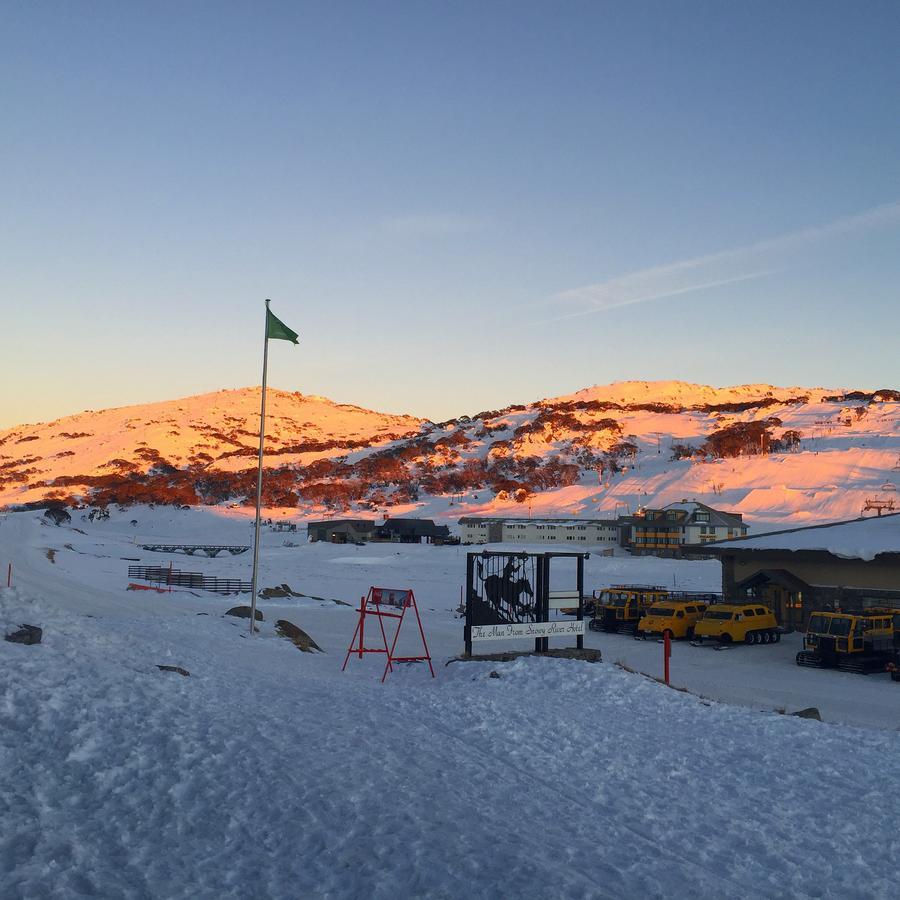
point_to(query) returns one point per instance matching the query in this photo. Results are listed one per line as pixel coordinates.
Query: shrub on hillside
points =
(740, 438)
(683, 451)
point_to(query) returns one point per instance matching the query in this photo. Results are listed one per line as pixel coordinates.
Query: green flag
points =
(277, 330)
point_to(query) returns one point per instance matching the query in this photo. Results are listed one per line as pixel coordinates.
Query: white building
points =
(496, 530)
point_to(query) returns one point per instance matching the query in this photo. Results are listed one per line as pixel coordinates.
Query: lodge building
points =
(499, 529)
(849, 566)
(666, 531)
(396, 530)
(661, 532)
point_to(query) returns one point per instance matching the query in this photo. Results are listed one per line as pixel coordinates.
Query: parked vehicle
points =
(677, 617)
(849, 641)
(745, 623)
(620, 607)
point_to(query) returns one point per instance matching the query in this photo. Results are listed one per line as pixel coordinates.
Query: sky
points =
(459, 206)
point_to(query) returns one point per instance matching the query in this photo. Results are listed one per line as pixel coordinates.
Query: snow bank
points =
(269, 773)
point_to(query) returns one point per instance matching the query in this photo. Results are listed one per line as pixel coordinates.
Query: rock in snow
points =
(243, 612)
(27, 634)
(177, 669)
(296, 634)
(279, 592)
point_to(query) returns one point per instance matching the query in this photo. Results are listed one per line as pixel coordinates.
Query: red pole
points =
(9, 576)
(362, 624)
(667, 652)
(422, 632)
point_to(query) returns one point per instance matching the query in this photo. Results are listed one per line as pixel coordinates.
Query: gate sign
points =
(509, 595)
(526, 629)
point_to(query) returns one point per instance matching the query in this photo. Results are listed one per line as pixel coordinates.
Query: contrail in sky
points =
(715, 269)
(669, 292)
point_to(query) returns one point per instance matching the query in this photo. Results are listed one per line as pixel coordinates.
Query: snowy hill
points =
(210, 434)
(777, 455)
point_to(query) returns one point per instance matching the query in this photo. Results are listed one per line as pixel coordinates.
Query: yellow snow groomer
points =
(678, 617)
(620, 607)
(854, 642)
(745, 623)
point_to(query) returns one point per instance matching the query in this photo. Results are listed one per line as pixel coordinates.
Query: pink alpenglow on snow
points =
(777, 455)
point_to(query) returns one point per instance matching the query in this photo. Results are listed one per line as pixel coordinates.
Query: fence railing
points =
(163, 575)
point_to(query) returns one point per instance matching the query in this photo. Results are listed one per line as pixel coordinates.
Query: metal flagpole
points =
(259, 474)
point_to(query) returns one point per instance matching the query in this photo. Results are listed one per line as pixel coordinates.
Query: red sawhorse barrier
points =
(373, 605)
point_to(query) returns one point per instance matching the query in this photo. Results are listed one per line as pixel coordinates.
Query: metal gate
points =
(514, 588)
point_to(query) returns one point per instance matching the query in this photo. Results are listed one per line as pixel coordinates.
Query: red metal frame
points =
(372, 605)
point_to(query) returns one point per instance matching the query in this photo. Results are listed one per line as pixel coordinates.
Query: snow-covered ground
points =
(270, 773)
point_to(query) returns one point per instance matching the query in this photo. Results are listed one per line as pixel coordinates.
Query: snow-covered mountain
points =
(777, 455)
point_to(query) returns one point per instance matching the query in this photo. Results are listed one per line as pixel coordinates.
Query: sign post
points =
(667, 653)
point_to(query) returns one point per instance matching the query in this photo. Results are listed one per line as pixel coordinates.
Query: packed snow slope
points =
(270, 773)
(777, 455)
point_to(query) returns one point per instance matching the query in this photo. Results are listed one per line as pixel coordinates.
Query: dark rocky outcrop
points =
(297, 636)
(27, 634)
(243, 612)
(177, 669)
(809, 713)
(279, 592)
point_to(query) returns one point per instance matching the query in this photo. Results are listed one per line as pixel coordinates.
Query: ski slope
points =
(270, 773)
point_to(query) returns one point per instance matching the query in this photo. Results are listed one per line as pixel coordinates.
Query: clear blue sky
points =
(459, 206)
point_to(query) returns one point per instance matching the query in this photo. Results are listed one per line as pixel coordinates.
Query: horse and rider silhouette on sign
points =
(502, 590)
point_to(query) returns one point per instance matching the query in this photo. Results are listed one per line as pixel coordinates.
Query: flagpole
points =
(259, 474)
